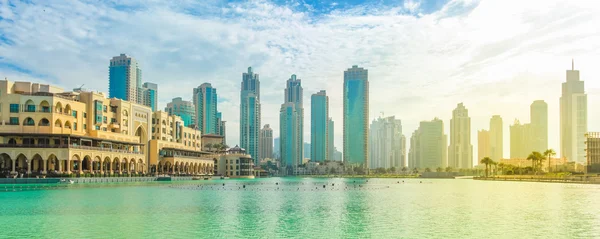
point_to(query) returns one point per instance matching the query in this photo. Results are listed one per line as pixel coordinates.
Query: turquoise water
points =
(301, 208)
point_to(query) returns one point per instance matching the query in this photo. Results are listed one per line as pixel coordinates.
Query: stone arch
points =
(44, 106)
(67, 109)
(86, 163)
(106, 165)
(5, 162)
(142, 134)
(58, 123)
(29, 106)
(21, 162)
(124, 165)
(67, 124)
(53, 164)
(58, 108)
(12, 141)
(75, 163)
(116, 164)
(96, 163)
(28, 122)
(140, 165)
(44, 122)
(164, 122)
(186, 168)
(37, 163)
(132, 166)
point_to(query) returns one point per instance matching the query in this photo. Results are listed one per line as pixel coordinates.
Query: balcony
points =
(64, 146)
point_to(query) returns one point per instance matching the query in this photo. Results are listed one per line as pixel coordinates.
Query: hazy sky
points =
(423, 57)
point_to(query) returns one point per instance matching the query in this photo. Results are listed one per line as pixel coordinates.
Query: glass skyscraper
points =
(356, 116)
(182, 108)
(205, 102)
(319, 123)
(330, 140)
(250, 114)
(149, 95)
(124, 78)
(291, 126)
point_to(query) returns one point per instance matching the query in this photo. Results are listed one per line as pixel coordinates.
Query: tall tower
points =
(539, 126)
(496, 138)
(483, 144)
(124, 78)
(573, 117)
(250, 114)
(428, 146)
(385, 142)
(291, 126)
(205, 101)
(520, 140)
(319, 127)
(460, 151)
(266, 142)
(182, 108)
(330, 140)
(356, 116)
(148, 95)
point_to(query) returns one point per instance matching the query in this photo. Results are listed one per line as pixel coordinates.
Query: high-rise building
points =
(277, 148)
(592, 151)
(539, 126)
(148, 95)
(520, 140)
(319, 127)
(403, 156)
(356, 116)
(573, 117)
(460, 151)
(205, 101)
(182, 108)
(483, 144)
(496, 138)
(428, 146)
(330, 139)
(250, 114)
(291, 126)
(266, 142)
(385, 142)
(124, 78)
(221, 127)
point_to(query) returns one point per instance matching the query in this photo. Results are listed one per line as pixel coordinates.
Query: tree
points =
(438, 169)
(549, 154)
(487, 161)
(535, 157)
(448, 169)
(209, 146)
(501, 165)
(404, 169)
(427, 170)
(332, 171)
(415, 170)
(392, 170)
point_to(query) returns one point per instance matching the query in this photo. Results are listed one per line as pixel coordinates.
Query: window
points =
(113, 109)
(84, 115)
(104, 119)
(113, 130)
(75, 126)
(14, 108)
(97, 127)
(30, 108)
(14, 120)
(113, 120)
(56, 141)
(84, 126)
(29, 121)
(103, 128)
(74, 113)
(153, 129)
(104, 108)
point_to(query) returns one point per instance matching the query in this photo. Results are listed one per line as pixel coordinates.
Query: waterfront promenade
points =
(580, 179)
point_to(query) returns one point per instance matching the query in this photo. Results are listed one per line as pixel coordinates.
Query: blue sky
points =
(423, 57)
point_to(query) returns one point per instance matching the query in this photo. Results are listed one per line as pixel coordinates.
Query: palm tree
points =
(535, 157)
(487, 161)
(438, 169)
(501, 165)
(549, 153)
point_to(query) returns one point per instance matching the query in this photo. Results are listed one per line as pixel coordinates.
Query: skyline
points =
(516, 80)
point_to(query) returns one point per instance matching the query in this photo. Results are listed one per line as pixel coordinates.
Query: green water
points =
(301, 208)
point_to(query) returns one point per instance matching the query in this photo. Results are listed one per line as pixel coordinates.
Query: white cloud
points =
(494, 56)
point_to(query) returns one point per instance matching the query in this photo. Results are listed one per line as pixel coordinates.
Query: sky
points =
(423, 57)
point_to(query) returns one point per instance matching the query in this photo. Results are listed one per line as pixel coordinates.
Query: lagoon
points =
(302, 208)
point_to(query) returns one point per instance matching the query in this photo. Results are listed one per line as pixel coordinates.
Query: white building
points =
(573, 117)
(385, 142)
(460, 151)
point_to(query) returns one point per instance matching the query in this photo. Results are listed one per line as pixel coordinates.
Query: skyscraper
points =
(573, 117)
(539, 126)
(330, 140)
(250, 114)
(221, 127)
(266, 142)
(496, 138)
(385, 142)
(356, 116)
(182, 108)
(205, 101)
(319, 127)
(291, 126)
(428, 146)
(483, 144)
(460, 151)
(148, 95)
(520, 140)
(124, 78)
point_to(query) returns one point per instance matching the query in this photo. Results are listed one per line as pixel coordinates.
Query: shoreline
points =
(539, 180)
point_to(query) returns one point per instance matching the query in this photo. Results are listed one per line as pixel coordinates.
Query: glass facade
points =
(250, 114)
(205, 100)
(182, 108)
(356, 115)
(319, 106)
(292, 126)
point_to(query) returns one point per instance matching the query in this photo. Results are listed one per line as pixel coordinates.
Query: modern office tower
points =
(148, 95)
(592, 151)
(496, 138)
(428, 148)
(124, 78)
(483, 145)
(205, 101)
(460, 151)
(385, 142)
(539, 126)
(221, 127)
(306, 151)
(277, 148)
(403, 156)
(250, 114)
(266, 142)
(520, 140)
(573, 117)
(330, 139)
(291, 126)
(319, 127)
(182, 108)
(356, 116)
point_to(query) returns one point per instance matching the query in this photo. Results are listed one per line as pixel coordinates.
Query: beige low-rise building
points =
(44, 129)
(235, 163)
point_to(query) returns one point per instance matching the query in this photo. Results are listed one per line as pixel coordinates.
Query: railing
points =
(67, 146)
